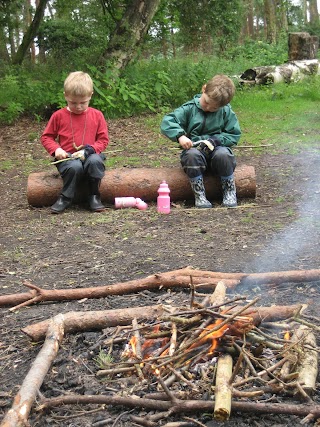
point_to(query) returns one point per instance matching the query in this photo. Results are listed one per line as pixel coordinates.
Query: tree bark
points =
(44, 187)
(97, 320)
(171, 279)
(17, 416)
(302, 46)
(156, 281)
(76, 321)
(30, 33)
(295, 70)
(222, 392)
(313, 12)
(270, 18)
(129, 33)
(308, 359)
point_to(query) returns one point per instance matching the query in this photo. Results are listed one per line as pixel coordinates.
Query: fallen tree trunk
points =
(289, 72)
(43, 188)
(181, 406)
(17, 416)
(79, 321)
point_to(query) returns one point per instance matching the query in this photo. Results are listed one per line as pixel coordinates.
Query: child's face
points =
(207, 104)
(77, 104)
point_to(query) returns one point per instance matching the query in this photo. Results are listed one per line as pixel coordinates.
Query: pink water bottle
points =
(163, 200)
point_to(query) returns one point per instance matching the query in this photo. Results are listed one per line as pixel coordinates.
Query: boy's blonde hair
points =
(220, 89)
(78, 83)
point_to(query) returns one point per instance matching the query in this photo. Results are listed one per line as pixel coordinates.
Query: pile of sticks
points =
(244, 362)
(218, 355)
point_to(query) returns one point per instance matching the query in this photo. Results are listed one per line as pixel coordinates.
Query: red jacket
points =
(65, 129)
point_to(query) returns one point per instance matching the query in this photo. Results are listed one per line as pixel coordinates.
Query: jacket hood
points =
(196, 99)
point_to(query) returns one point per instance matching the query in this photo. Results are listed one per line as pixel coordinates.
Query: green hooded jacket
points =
(196, 124)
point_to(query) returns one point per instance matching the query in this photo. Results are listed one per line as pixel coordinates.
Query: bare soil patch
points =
(278, 231)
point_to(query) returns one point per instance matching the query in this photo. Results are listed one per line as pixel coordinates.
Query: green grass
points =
(6, 165)
(277, 117)
(286, 116)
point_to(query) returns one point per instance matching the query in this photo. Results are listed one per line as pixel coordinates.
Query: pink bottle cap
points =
(140, 204)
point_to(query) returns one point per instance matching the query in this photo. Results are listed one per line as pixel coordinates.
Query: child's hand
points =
(79, 155)
(60, 154)
(185, 142)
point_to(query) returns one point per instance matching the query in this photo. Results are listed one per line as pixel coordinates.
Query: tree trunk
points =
(302, 46)
(270, 17)
(313, 12)
(129, 33)
(4, 54)
(30, 33)
(44, 187)
(250, 24)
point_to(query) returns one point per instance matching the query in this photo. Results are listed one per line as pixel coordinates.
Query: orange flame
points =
(213, 336)
(287, 335)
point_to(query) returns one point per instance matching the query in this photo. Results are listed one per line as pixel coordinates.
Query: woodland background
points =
(144, 56)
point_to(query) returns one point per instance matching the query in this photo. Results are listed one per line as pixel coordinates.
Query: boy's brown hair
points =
(220, 89)
(78, 83)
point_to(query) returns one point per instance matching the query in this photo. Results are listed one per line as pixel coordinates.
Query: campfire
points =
(218, 352)
(216, 355)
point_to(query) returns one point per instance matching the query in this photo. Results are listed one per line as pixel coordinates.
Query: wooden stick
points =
(223, 394)
(76, 321)
(18, 414)
(155, 281)
(95, 320)
(182, 406)
(308, 366)
(177, 278)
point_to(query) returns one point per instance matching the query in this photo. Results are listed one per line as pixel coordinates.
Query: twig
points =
(182, 378)
(261, 373)
(173, 341)
(246, 358)
(304, 322)
(166, 390)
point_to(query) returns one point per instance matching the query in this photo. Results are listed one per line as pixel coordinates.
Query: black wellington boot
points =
(61, 204)
(94, 195)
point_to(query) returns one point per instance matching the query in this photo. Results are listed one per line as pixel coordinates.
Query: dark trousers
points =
(221, 162)
(73, 171)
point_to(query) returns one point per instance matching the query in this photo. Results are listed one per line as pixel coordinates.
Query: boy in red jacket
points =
(78, 133)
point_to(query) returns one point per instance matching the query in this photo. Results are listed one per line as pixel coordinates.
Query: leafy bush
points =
(145, 86)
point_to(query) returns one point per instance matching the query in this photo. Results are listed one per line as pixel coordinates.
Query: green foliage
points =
(147, 86)
(260, 53)
(11, 106)
(103, 360)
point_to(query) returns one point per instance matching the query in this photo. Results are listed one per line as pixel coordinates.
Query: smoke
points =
(297, 246)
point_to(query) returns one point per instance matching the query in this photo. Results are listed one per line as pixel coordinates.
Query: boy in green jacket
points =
(206, 129)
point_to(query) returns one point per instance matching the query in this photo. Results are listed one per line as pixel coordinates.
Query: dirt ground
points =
(279, 230)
